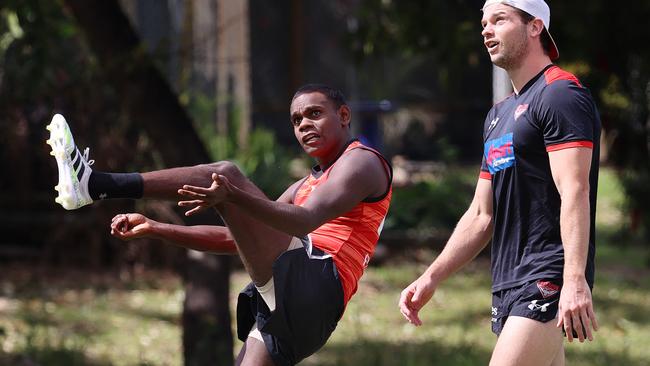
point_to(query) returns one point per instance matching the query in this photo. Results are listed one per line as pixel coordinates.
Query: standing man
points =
(304, 252)
(535, 197)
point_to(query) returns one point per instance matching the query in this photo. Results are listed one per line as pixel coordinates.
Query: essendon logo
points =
(547, 289)
(499, 153)
(520, 110)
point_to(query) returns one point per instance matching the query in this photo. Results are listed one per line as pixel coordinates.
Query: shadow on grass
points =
(379, 353)
(146, 314)
(50, 356)
(602, 358)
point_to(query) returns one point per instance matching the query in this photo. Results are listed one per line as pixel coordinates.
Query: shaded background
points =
(152, 84)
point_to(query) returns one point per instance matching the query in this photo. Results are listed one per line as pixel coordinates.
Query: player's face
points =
(320, 128)
(505, 35)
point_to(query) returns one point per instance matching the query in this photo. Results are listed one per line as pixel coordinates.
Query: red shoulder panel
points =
(554, 73)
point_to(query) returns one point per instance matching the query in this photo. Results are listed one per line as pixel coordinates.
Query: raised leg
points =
(258, 244)
(254, 353)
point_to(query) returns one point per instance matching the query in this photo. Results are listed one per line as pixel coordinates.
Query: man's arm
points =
(570, 169)
(205, 238)
(356, 176)
(471, 235)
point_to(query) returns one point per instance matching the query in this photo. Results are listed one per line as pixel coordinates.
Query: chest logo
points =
(520, 110)
(499, 153)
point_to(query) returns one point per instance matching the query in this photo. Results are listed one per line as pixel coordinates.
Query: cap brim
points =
(553, 52)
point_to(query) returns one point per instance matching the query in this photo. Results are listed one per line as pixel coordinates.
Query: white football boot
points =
(74, 168)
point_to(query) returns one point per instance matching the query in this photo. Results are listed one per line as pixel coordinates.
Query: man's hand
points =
(414, 297)
(200, 198)
(576, 311)
(130, 226)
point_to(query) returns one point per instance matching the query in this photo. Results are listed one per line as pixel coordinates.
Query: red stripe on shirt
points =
(568, 145)
(485, 175)
(554, 73)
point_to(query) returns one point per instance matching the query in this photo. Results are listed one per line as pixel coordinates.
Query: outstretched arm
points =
(356, 176)
(570, 169)
(205, 238)
(472, 233)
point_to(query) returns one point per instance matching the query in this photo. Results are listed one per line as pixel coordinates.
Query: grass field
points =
(67, 317)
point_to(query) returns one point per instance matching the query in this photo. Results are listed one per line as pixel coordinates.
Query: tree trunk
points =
(149, 101)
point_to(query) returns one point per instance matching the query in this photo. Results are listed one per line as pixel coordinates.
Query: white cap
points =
(538, 9)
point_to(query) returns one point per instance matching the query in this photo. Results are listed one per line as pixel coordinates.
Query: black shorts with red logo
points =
(537, 300)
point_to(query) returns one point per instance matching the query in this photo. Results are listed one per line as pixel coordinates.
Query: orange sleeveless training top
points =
(350, 238)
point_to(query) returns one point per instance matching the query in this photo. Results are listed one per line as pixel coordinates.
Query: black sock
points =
(103, 186)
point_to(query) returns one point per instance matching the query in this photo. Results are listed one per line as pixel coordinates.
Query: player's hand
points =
(200, 198)
(130, 226)
(414, 297)
(576, 310)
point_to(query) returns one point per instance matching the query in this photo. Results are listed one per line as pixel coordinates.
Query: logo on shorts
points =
(547, 289)
(520, 110)
(535, 306)
(495, 312)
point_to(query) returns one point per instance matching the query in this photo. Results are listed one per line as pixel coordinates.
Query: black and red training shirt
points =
(553, 111)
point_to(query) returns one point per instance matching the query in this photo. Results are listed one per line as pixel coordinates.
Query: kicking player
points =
(304, 252)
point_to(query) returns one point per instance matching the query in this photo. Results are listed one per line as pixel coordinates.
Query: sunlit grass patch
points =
(72, 323)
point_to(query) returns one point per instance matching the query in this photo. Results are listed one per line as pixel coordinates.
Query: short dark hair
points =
(334, 95)
(544, 38)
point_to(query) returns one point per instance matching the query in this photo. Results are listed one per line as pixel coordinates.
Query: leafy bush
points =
(264, 161)
(637, 188)
(429, 204)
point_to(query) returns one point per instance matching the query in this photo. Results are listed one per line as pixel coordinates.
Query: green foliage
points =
(637, 187)
(37, 48)
(412, 27)
(420, 49)
(264, 161)
(429, 204)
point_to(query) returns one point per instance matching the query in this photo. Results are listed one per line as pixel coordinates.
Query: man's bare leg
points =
(559, 358)
(525, 341)
(254, 353)
(258, 244)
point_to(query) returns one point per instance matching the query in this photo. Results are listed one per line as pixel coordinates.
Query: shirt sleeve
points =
(485, 172)
(568, 116)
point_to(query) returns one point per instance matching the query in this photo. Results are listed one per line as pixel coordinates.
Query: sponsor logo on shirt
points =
(547, 289)
(499, 153)
(520, 110)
